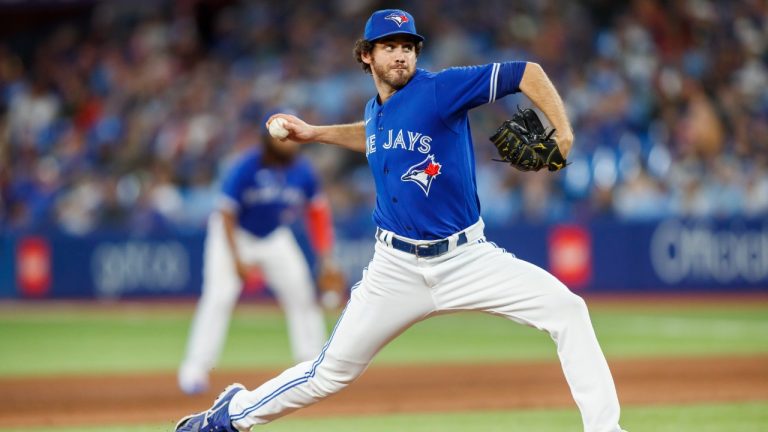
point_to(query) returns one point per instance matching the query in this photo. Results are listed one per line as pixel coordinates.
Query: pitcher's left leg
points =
(488, 279)
(389, 299)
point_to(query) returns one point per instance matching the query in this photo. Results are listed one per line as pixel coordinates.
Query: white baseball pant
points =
(399, 289)
(286, 272)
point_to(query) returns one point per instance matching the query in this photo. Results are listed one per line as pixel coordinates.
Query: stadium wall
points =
(606, 257)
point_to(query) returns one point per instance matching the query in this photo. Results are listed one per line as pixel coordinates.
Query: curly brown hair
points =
(365, 46)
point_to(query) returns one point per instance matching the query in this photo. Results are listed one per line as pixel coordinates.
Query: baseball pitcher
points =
(431, 255)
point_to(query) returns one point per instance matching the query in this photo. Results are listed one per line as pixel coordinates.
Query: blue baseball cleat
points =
(215, 419)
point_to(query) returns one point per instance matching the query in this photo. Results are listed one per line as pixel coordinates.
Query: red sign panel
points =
(570, 255)
(33, 267)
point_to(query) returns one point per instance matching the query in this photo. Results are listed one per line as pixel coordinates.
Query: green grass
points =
(93, 340)
(44, 340)
(745, 417)
(695, 331)
(622, 333)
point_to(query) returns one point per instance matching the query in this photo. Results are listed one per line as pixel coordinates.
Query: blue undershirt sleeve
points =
(311, 183)
(231, 185)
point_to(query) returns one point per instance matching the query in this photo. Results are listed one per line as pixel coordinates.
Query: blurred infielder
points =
(264, 192)
(431, 255)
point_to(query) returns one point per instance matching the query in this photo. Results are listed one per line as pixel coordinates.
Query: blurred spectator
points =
(126, 122)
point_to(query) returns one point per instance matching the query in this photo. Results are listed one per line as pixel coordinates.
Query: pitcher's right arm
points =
(350, 135)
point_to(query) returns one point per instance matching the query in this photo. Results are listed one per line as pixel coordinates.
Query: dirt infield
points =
(154, 398)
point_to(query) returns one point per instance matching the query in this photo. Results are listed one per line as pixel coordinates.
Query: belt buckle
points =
(425, 246)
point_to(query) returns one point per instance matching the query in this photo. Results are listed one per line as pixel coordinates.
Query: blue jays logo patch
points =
(423, 173)
(397, 17)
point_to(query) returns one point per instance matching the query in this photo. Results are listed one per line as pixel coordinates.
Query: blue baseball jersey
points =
(265, 197)
(419, 148)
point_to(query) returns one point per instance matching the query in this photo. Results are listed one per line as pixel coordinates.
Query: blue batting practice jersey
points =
(419, 148)
(265, 197)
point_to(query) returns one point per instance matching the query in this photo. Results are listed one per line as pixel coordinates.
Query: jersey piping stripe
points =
(289, 385)
(494, 81)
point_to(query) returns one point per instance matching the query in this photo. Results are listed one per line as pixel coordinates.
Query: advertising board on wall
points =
(666, 256)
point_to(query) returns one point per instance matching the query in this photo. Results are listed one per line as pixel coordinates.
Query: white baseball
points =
(277, 129)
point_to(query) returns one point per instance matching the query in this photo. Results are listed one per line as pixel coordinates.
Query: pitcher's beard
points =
(399, 80)
(393, 77)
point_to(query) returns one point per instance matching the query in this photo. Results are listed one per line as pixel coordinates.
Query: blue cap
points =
(389, 22)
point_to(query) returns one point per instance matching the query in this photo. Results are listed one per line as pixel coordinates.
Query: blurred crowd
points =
(128, 120)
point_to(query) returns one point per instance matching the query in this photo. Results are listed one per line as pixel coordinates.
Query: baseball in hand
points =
(277, 129)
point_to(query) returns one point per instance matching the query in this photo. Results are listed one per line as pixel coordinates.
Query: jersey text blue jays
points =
(405, 140)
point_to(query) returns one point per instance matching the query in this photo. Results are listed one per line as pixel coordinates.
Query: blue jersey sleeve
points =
(460, 89)
(311, 182)
(233, 182)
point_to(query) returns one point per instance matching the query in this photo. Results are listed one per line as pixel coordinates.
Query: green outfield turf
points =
(746, 417)
(71, 339)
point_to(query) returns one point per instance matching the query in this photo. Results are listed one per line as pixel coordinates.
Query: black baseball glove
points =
(523, 143)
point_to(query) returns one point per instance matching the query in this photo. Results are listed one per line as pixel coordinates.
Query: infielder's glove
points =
(332, 285)
(523, 143)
